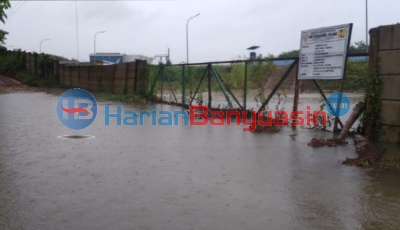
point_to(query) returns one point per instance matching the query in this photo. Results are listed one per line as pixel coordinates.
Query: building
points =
(117, 58)
(108, 57)
(69, 63)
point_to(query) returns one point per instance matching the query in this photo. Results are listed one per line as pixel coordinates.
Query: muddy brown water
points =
(178, 177)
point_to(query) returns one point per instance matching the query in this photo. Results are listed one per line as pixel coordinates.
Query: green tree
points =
(4, 5)
(358, 47)
(3, 35)
(289, 54)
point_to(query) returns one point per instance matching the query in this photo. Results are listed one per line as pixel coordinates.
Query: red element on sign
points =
(75, 110)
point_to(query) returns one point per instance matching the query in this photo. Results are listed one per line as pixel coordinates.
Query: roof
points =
(68, 62)
(253, 47)
(107, 54)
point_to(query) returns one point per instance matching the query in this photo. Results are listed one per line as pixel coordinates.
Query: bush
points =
(29, 79)
(11, 64)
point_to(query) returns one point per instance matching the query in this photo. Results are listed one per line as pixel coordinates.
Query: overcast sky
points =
(223, 31)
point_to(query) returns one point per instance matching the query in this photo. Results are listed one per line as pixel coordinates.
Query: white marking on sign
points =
(323, 52)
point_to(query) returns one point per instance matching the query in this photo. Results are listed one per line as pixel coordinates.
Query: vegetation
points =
(12, 64)
(289, 54)
(3, 35)
(231, 74)
(371, 117)
(4, 5)
(357, 47)
(119, 97)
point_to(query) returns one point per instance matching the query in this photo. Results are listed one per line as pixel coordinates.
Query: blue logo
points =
(338, 104)
(76, 109)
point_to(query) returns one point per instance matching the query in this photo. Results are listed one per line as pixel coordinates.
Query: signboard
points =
(323, 52)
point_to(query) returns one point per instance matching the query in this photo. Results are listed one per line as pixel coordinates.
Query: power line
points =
(77, 37)
(17, 9)
(14, 7)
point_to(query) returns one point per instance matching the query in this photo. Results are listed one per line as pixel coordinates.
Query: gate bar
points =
(221, 85)
(323, 95)
(170, 86)
(197, 89)
(279, 84)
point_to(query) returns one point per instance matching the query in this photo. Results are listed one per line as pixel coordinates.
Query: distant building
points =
(109, 57)
(117, 58)
(68, 63)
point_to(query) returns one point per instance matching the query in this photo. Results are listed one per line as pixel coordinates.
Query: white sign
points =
(323, 52)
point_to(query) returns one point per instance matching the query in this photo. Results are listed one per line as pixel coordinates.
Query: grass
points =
(30, 79)
(128, 98)
(370, 162)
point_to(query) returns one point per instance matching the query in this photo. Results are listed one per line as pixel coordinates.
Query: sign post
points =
(323, 53)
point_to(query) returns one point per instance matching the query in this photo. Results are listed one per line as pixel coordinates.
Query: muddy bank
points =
(370, 156)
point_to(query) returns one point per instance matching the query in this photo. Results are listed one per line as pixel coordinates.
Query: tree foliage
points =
(4, 5)
(357, 47)
(3, 35)
(289, 54)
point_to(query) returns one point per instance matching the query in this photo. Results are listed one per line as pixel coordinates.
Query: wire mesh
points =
(354, 85)
(264, 77)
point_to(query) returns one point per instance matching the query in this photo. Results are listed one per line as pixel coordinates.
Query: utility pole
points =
(95, 45)
(187, 38)
(366, 25)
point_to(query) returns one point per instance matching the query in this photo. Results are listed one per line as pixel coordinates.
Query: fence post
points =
(209, 88)
(23, 56)
(245, 87)
(373, 58)
(113, 80)
(88, 77)
(35, 63)
(126, 77)
(56, 72)
(162, 82)
(135, 81)
(79, 76)
(70, 77)
(335, 129)
(28, 62)
(183, 86)
(296, 91)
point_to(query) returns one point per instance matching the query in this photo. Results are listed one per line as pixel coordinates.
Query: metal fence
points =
(253, 85)
(314, 93)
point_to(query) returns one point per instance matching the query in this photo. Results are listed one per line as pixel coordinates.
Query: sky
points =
(223, 31)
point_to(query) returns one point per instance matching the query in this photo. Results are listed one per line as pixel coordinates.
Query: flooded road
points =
(179, 177)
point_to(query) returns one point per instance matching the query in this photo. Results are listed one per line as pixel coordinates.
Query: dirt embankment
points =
(370, 156)
(10, 85)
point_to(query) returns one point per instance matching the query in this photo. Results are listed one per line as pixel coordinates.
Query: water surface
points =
(179, 177)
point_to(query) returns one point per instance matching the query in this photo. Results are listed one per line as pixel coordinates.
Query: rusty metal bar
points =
(170, 86)
(325, 98)
(342, 80)
(209, 87)
(279, 84)
(245, 87)
(271, 59)
(221, 85)
(197, 89)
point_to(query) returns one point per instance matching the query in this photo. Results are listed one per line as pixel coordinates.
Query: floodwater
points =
(283, 102)
(179, 177)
